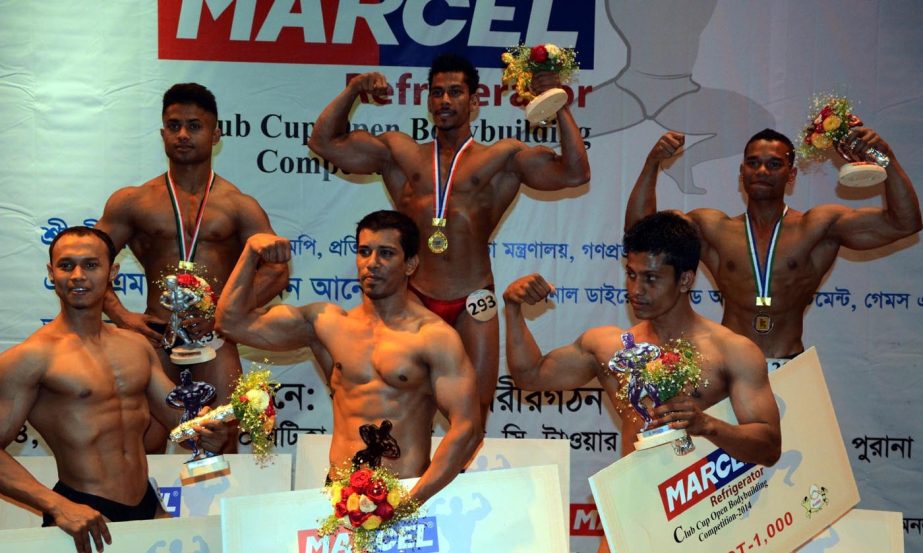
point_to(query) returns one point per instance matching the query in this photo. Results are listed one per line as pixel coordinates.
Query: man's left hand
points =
(682, 412)
(198, 327)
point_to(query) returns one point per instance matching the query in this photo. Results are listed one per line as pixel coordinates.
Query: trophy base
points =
(545, 106)
(204, 469)
(682, 444)
(185, 355)
(861, 174)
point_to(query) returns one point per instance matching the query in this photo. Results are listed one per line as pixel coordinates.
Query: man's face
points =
(80, 270)
(766, 171)
(383, 270)
(652, 285)
(189, 133)
(449, 101)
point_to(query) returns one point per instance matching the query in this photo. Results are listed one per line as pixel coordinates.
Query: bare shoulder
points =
(706, 217)
(397, 139)
(822, 216)
(739, 352)
(601, 341)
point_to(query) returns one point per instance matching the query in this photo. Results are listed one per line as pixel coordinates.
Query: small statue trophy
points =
(522, 62)
(191, 396)
(183, 296)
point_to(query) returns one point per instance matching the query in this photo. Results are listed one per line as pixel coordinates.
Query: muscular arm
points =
(756, 437)
(564, 368)
(356, 151)
(867, 228)
(540, 167)
(240, 316)
(455, 388)
(21, 370)
(271, 278)
(643, 199)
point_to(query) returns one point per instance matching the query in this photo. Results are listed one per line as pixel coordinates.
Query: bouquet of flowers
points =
(522, 62)
(251, 405)
(830, 121)
(657, 372)
(366, 501)
(196, 286)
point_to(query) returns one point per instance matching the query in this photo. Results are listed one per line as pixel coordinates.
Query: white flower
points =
(553, 50)
(366, 505)
(259, 399)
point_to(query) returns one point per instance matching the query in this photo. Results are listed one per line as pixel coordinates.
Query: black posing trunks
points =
(112, 510)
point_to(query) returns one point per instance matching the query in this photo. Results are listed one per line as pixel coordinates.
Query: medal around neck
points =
(829, 126)
(438, 242)
(650, 376)
(522, 62)
(187, 295)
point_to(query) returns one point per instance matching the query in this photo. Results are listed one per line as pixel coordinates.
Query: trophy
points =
(522, 62)
(829, 127)
(187, 296)
(650, 376)
(252, 405)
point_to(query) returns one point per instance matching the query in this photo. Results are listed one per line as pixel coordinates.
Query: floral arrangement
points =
(660, 372)
(252, 405)
(205, 307)
(524, 61)
(830, 122)
(365, 501)
(252, 401)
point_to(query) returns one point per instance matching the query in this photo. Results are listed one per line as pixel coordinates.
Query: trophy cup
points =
(186, 296)
(829, 127)
(653, 375)
(522, 62)
(252, 405)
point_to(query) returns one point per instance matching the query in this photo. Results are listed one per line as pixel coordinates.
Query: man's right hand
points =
(78, 521)
(372, 82)
(529, 289)
(138, 322)
(270, 248)
(666, 147)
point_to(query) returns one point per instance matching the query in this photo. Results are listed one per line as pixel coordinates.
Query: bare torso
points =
(376, 372)
(803, 256)
(705, 335)
(92, 409)
(482, 191)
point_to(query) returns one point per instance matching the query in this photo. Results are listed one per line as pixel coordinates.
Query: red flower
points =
(361, 480)
(356, 518)
(826, 112)
(270, 409)
(539, 54)
(669, 358)
(340, 509)
(377, 491)
(385, 511)
(346, 492)
(186, 280)
(243, 399)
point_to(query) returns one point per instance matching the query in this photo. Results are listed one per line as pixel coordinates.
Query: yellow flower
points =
(352, 502)
(820, 141)
(336, 491)
(372, 522)
(506, 58)
(832, 122)
(553, 50)
(366, 505)
(394, 497)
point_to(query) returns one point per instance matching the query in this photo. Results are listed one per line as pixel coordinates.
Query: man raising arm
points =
(389, 358)
(456, 190)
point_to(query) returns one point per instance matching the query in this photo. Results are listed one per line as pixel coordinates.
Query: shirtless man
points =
(662, 257)
(144, 218)
(387, 359)
(89, 389)
(807, 242)
(454, 263)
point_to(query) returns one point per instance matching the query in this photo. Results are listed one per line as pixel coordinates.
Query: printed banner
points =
(653, 500)
(312, 459)
(195, 500)
(167, 535)
(860, 530)
(476, 512)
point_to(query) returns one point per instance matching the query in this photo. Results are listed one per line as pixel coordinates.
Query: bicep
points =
(564, 368)
(277, 328)
(358, 152)
(19, 386)
(864, 228)
(453, 378)
(539, 168)
(751, 394)
(116, 219)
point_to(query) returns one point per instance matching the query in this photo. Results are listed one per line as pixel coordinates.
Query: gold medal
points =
(438, 242)
(762, 322)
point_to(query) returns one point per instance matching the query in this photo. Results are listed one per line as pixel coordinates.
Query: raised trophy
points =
(252, 405)
(650, 376)
(187, 296)
(522, 62)
(829, 127)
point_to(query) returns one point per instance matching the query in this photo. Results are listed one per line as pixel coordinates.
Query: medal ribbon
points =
(762, 277)
(187, 250)
(440, 193)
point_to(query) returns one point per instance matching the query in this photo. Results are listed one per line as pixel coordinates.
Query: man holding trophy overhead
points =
(192, 224)
(456, 190)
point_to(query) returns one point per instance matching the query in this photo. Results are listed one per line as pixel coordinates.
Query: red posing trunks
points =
(448, 310)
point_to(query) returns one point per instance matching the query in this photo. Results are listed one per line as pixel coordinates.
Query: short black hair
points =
(448, 62)
(774, 136)
(190, 93)
(84, 231)
(389, 219)
(669, 233)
